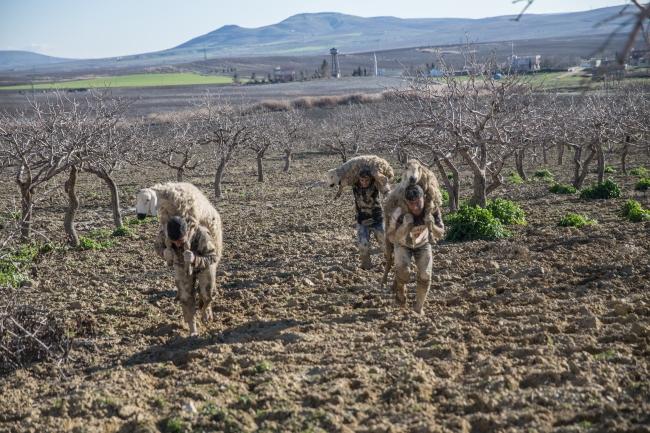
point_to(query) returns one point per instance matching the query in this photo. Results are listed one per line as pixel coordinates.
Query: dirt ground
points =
(547, 330)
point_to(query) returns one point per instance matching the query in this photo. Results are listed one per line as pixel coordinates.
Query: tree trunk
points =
(626, 149)
(26, 204)
(453, 203)
(560, 154)
(579, 177)
(287, 159)
(601, 162)
(179, 174)
(115, 195)
(519, 162)
(218, 177)
(344, 155)
(480, 182)
(544, 153)
(73, 206)
(260, 167)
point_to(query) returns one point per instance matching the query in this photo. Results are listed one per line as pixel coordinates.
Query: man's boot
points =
(366, 263)
(422, 291)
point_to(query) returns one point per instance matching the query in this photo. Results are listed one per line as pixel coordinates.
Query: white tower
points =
(375, 63)
(336, 69)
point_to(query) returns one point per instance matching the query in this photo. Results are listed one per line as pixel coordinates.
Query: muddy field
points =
(547, 330)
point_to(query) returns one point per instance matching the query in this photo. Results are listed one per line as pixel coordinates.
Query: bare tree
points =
(345, 131)
(263, 136)
(224, 127)
(178, 147)
(292, 132)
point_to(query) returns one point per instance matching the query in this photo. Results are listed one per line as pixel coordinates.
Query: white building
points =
(524, 63)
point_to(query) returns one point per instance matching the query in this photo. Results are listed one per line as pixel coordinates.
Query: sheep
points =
(184, 200)
(348, 173)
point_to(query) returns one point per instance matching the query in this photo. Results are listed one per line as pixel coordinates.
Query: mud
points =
(547, 330)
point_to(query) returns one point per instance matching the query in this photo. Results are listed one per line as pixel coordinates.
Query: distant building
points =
(524, 63)
(644, 62)
(284, 74)
(390, 72)
(637, 54)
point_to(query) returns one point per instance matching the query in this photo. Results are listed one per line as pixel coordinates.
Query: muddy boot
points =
(206, 315)
(366, 263)
(422, 291)
(400, 294)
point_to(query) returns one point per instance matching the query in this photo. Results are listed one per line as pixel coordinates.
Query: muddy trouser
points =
(186, 285)
(363, 241)
(423, 261)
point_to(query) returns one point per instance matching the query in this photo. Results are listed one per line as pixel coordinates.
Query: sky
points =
(97, 29)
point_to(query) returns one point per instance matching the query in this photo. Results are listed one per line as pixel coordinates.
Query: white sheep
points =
(184, 200)
(348, 173)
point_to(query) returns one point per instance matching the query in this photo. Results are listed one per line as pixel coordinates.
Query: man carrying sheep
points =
(369, 213)
(197, 264)
(410, 237)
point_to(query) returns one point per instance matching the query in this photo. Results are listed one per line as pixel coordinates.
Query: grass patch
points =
(561, 188)
(605, 355)
(514, 178)
(603, 190)
(263, 367)
(99, 234)
(93, 245)
(506, 211)
(175, 425)
(445, 197)
(450, 175)
(609, 169)
(123, 231)
(15, 264)
(544, 174)
(129, 221)
(139, 80)
(633, 212)
(641, 171)
(643, 184)
(472, 223)
(575, 220)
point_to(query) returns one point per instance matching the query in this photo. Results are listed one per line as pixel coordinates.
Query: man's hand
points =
(408, 219)
(168, 255)
(188, 256)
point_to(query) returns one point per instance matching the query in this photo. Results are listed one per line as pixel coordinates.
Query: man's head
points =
(177, 230)
(365, 177)
(414, 196)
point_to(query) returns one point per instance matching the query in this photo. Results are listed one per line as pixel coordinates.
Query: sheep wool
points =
(348, 173)
(186, 201)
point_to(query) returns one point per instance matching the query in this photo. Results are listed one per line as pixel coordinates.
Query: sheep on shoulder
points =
(184, 200)
(348, 173)
(415, 173)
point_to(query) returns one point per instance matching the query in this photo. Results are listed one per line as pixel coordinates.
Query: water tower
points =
(336, 70)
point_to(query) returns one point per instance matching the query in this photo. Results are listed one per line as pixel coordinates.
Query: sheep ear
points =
(153, 205)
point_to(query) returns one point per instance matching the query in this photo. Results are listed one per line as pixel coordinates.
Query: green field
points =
(141, 80)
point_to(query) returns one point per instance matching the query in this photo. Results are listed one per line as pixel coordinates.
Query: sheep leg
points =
(339, 192)
(382, 181)
(207, 282)
(185, 284)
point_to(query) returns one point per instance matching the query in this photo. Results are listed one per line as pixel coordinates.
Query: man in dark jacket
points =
(370, 217)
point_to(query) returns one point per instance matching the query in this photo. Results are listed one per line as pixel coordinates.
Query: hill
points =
(12, 59)
(315, 34)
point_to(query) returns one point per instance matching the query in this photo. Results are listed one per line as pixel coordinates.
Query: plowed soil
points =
(547, 330)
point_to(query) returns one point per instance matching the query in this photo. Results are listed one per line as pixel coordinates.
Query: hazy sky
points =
(93, 29)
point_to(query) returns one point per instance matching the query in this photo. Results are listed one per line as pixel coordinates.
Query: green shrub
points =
(643, 184)
(514, 178)
(92, 195)
(639, 171)
(471, 223)
(450, 175)
(129, 221)
(123, 231)
(445, 197)
(91, 244)
(604, 190)
(99, 234)
(398, 179)
(175, 425)
(506, 211)
(575, 220)
(544, 174)
(633, 212)
(561, 188)
(609, 169)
